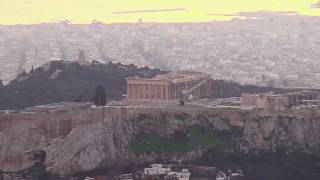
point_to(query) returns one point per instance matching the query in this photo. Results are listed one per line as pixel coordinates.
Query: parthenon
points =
(170, 86)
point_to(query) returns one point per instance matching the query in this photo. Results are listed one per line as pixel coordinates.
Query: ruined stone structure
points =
(170, 86)
(267, 101)
(274, 102)
(302, 97)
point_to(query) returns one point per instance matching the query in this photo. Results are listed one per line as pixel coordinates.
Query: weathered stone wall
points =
(86, 139)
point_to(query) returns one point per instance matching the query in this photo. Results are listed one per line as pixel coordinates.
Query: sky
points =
(108, 11)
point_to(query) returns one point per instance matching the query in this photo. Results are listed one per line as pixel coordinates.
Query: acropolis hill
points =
(79, 137)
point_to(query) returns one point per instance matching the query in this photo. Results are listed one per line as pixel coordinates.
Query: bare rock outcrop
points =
(86, 139)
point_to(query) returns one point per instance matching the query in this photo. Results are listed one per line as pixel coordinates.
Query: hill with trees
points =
(68, 82)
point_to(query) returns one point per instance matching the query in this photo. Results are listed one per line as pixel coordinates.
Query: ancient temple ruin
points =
(275, 102)
(171, 86)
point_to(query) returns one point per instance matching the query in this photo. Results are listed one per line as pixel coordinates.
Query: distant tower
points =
(81, 57)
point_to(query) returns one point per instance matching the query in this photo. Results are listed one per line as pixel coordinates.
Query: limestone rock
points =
(85, 139)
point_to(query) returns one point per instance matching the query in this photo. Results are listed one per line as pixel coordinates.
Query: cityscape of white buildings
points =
(281, 51)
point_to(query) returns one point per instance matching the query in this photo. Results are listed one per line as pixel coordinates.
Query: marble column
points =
(148, 91)
(134, 91)
(169, 88)
(167, 92)
(129, 91)
(175, 91)
(137, 91)
(160, 87)
(164, 92)
(160, 91)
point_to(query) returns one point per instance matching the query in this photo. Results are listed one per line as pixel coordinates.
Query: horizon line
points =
(235, 16)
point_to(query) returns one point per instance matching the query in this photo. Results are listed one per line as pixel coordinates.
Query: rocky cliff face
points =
(85, 139)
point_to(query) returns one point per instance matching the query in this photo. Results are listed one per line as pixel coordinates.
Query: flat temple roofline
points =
(149, 82)
(168, 80)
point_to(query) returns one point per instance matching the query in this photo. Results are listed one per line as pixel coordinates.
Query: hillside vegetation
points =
(181, 142)
(62, 82)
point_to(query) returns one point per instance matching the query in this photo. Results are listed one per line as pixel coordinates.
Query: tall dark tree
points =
(1, 175)
(32, 70)
(1, 83)
(100, 97)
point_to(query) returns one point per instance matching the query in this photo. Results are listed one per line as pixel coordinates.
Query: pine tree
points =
(100, 97)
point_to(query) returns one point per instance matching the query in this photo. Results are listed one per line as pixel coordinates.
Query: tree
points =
(1, 83)
(24, 73)
(32, 70)
(100, 97)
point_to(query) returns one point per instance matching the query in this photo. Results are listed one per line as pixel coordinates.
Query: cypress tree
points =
(100, 97)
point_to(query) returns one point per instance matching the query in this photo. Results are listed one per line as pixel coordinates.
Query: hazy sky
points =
(84, 11)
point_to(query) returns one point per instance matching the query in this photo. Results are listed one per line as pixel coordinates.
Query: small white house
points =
(89, 178)
(235, 174)
(156, 169)
(221, 176)
(126, 177)
(159, 169)
(184, 174)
